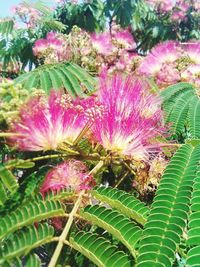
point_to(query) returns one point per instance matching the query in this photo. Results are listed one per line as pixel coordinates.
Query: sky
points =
(5, 6)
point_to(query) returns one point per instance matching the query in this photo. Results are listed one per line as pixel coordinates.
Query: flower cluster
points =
(131, 119)
(27, 14)
(71, 174)
(171, 62)
(177, 10)
(11, 98)
(124, 118)
(94, 52)
(52, 49)
(45, 123)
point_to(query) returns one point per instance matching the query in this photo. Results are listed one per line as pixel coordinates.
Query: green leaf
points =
(6, 26)
(8, 179)
(194, 117)
(99, 250)
(170, 208)
(127, 204)
(32, 211)
(116, 224)
(61, 75)
(194, 225)
(33, 260)
(21, 243)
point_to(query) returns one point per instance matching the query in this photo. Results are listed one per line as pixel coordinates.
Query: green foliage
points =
(21, 243)
(30, 212)
(169, 211)
(194, 225)
(124, 202)
(86, 15)
(8, 179)
(70, 76)
(115, 223)
(33, 260)
(99, 250)
(6, 26)
(182, 106)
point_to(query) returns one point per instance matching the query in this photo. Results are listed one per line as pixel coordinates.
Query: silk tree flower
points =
(124, 39)
(164, 53)
(192, 74)
(102, 43)
(192, 51)
(71, 174)
(52, 49)
(40, 46)
(128, 126)
(45, 123)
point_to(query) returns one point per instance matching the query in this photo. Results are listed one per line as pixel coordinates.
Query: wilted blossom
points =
(148, 174)
(131, 118)
(71, 174)
(45, 123)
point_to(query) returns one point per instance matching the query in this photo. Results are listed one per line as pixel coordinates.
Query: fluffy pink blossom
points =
(129, 122)
(102, 43)
(192, 51)
(192, 74)
(180, 10)
(44, 123)
(168, 74)
(71, 174)
(163, 53)
(40, 46)
(124, 38)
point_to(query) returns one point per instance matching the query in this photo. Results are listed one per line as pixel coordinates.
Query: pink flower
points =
(192, 50)
(192, 74)
(168, 74)
(44, 123)
(71, 174)
(102, 43)
(128, 123)
(40, 46)
(164, 53)
(124, 38)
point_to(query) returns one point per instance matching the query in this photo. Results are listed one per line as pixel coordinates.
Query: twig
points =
(63, 236)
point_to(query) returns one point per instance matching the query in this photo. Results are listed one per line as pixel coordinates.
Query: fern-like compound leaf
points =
(194, 117)
(194, 225)
(182, 107)
(32, 260)
(127, 204)
(29, 213)
(121, 227)
(99, 250)
(70, 76)
(169, 213)
(6, 26)
(23, 241)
